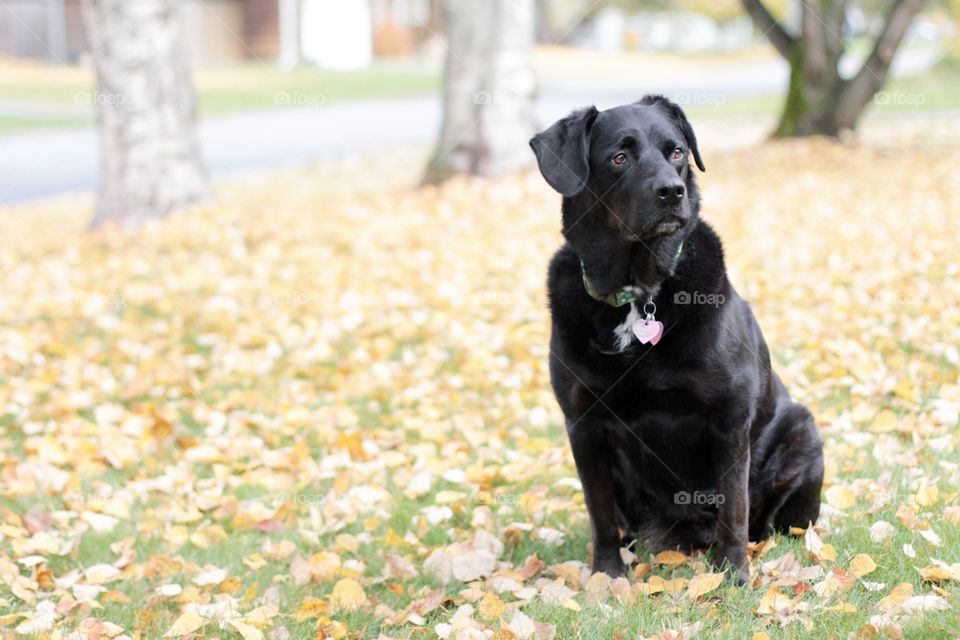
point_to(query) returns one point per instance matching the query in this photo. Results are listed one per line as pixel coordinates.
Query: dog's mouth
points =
(665, 227)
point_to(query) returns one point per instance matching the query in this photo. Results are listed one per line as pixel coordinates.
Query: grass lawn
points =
(321, 408)
(253, 86)
(937, 89)
(221, 90)
(18, 123)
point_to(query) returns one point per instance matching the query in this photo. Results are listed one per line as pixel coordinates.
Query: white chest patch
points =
(624, 331)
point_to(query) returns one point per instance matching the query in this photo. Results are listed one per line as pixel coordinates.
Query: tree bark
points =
(859, 91)
(768, 25)
(819, 101)
(150, 158)
(488, 89)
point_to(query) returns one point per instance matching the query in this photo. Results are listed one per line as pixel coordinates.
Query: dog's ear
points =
(680, 118)
(563, 151)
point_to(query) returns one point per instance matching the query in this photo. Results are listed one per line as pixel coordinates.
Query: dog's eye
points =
(619, 158)
(677, 153)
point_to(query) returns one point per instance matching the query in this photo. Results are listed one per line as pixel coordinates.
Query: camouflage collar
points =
(625, 295)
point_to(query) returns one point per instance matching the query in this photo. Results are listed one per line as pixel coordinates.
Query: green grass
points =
(312, 87)
(225, 90)
(255, 86)
(21, 123)
(938, 88)
(382, 428)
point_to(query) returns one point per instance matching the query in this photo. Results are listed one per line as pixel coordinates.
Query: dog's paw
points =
(612, 566)
(735, 565)
(740, 578)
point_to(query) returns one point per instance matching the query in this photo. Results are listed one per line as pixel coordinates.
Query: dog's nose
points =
(671, 193)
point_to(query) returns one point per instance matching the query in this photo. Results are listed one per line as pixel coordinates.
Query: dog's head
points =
(629, 165)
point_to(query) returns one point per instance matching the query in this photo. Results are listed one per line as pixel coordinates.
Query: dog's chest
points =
(623, 334)
(664, 435)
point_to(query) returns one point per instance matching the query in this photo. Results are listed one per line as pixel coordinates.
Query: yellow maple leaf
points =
(246, 631)
(312, 608)
(884, 422)
(348, 595)
(928, 495)
(670, 557)
(938, 573)
(703, 583)
(572, 604)
(861, 565)
(491, 607)
(186, 623)
(773, 601)
(828, 552)
(900, 594)
(840, 497)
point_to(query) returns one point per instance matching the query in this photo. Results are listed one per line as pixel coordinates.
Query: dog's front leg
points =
(731, 463)
(592, 454)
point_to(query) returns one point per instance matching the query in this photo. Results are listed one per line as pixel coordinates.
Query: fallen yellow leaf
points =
(348, 595)
(840, 497)
(861, 565)
(246, 631)
(186, 623)
(884, 422)
(703, 583)
(312, 608)
(900, 594)
(491, 607)
(670, 557)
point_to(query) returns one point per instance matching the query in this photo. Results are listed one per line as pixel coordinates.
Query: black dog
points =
(682, 434)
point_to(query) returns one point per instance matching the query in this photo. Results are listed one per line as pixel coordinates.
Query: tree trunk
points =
(150, 159)
(814, 72)
(488, 89)
(859, 90)
(819, 101)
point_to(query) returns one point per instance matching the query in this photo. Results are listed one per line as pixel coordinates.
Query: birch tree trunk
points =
(488, 88)
(150, 157)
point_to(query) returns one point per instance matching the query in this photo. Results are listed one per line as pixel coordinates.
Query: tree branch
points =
(773, 30)
(860, 89)
(814, 34)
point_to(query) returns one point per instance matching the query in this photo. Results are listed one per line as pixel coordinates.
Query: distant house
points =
(330, 33)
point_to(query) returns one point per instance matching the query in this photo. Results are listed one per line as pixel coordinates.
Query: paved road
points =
(41, 163)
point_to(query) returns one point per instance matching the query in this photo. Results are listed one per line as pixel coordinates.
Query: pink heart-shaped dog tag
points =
(648, 331)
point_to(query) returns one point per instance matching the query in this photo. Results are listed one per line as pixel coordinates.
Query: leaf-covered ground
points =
(321, 409)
